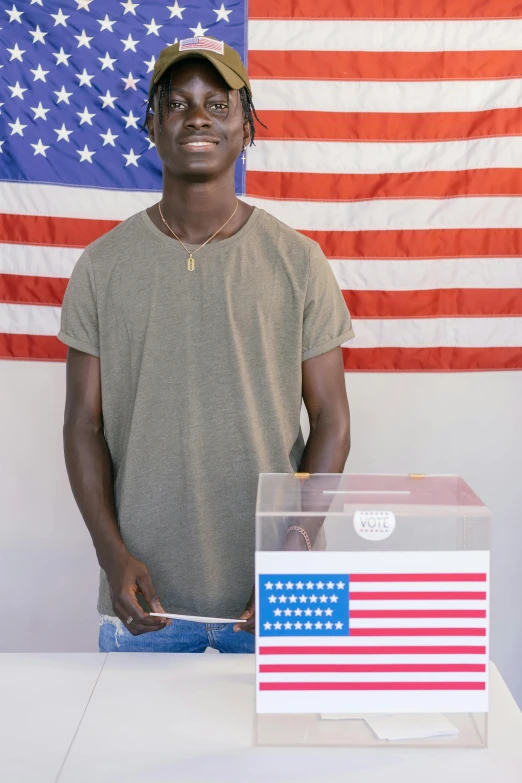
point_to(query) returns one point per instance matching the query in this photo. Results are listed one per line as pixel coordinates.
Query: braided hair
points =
(164, 87)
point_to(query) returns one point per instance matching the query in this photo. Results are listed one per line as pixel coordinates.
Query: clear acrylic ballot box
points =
(372, 611)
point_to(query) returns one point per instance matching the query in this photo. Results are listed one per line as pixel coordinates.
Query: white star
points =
(153, 28)
(130, 82)
(267, 626)
(107, 61)
(63, 133)
(83, 4)
(278, 612)
(85, 78)
(271, 598)
(38, 35)
(279, 585)
(172, 43)
(39, 73)
(288, 612)
(308, 612)
(62, 95)
(299, 586)
(129, 42)
(106, 24)
(288, 626)
(85, 116)
(269, 586)
(37, 1)
(313, 599)
(303, 599)
(39, 149)
(298, 626)
(293, 599)
(175, 10)
(330, 585)
(199, 30)
(83, 40)
(298, 612)
(328, 612)
(320, 585)
(277, 626)
(108, 100)
(338, 626)
(39, 112)
(309, 585)
(308, 626)
(282, 599)
(323, 599)
(328, 626)
(340, 585)
(222, 14)
(289, 585)
(2, 143)
(17, 91)
(85, 154)
(129, 7)
(59, 18)
(151, 143)
(17, 127)
(318, 612)
(16, 53)
(334, 599)
(61, 57)
(108, 138)
(14, 15)
(150, 64)
(318, 625)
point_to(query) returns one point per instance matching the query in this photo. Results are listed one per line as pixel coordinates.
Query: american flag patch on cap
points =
(201, 43)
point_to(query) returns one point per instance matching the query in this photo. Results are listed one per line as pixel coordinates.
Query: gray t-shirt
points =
(201, 390)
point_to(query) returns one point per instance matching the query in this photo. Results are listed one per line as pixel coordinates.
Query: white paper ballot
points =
(403, 727)
(194, 619)
(352, 715)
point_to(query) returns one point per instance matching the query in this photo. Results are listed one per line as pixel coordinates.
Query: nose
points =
(198, 118)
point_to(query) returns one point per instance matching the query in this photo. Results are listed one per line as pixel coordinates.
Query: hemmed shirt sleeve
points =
(79, 319)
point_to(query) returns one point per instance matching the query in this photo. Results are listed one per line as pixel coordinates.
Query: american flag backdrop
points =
(404, 637)
(394, 138)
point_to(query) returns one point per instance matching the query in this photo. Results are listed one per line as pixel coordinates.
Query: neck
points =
(195, 209)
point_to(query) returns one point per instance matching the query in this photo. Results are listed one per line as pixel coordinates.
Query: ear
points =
(150, 127)
(246, 133)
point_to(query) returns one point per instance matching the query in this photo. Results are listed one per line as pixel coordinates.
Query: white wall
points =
(468, 424)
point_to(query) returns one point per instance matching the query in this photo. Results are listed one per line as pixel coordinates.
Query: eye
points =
(220, 106)
(175, 104)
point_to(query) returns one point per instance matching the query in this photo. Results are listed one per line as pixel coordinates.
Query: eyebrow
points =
(210, 91)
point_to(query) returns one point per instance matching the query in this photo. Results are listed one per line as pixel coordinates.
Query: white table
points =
(159, 718)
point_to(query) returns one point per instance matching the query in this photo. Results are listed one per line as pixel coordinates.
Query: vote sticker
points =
(374, 525)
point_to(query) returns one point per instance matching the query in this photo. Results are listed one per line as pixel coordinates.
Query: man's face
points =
(203, 129)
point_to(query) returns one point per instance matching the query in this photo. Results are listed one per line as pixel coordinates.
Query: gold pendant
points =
(190, 263)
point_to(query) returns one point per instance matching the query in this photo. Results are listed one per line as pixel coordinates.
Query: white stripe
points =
(385, 35)
(448, 604)
(386, 96)
(386, 641)
(427, 274)
(29, 319)
(418, 658)
(418, 622)
(353, 157)
(30, 198)
(397, 214)
(36, 260)
(372, 677)
(434, 332)
(414, 587)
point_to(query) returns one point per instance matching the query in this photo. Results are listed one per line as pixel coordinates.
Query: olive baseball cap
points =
(225, 59)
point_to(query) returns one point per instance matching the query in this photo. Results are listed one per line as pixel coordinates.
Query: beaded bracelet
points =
(304, 534)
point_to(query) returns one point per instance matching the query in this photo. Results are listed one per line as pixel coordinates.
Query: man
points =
(195, 328)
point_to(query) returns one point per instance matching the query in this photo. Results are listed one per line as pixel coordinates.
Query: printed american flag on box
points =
(372, 631)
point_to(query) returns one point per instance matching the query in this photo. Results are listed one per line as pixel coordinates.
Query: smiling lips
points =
(200, 144)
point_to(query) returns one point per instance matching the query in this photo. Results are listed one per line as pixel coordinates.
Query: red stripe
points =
(420, 243)
(355, 187)
(417, 631)
(57, 232)
(352, 668)
(377, 126)
(369, 614)
(372, 686)
(30, 346)
(442, 302)
(382, 66)
(420, 596)
(417, 578)
(29, 289)
(383, 9)
(431, 359)
(317, 650)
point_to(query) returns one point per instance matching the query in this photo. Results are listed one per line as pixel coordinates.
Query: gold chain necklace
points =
(191, 259)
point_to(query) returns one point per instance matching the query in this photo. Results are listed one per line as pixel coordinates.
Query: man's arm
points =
(89, 468)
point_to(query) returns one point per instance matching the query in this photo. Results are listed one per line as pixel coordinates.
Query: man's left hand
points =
(249, 615)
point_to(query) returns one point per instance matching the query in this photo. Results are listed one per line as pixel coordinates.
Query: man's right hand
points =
(128, 576)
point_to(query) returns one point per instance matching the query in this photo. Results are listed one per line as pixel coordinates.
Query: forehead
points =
(196, 71)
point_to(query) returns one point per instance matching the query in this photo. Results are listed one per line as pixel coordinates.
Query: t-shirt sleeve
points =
(326, 322)
(79, 322)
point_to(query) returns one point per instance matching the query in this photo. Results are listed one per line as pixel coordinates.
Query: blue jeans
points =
(182, 636)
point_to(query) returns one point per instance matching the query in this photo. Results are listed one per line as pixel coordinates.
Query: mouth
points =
(199, 146)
